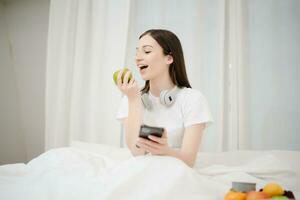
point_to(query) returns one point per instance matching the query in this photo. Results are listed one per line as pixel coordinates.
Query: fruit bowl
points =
(247, 191)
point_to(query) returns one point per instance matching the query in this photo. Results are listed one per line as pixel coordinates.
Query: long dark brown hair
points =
(171, 46)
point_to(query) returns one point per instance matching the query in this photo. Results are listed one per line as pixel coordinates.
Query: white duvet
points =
(89, 171)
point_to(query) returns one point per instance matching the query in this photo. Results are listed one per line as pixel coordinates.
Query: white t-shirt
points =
(190, 107)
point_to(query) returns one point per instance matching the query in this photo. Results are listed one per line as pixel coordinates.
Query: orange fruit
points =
(231, 195)
(273, 189)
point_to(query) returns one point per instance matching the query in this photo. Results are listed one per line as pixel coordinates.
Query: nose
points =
(138, 57)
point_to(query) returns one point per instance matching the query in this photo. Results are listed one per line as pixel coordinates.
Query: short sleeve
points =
(123, 109)
(196, 109)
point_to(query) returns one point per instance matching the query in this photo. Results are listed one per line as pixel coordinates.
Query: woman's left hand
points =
(155, 145)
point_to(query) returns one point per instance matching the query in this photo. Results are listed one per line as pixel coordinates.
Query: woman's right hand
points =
(130, 89)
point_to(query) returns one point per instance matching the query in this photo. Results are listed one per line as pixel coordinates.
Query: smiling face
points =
(150, 59)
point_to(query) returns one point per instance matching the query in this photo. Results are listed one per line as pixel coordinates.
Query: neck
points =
(157, 86)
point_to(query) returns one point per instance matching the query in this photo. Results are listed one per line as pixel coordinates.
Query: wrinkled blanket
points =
(112, 173)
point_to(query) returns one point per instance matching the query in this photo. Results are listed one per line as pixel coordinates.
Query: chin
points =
(145, 78)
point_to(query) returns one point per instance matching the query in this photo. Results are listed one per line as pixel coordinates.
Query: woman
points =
(184, 116)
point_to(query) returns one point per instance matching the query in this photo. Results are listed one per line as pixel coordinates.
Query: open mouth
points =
(143, 67)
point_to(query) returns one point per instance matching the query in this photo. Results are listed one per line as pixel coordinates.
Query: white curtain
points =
(271, 68)
(222, 42)
(86, 43)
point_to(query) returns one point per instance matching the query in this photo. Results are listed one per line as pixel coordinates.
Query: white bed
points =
(93, 171)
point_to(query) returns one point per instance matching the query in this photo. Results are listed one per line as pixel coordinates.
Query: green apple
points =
(115, 75)
(279, 198)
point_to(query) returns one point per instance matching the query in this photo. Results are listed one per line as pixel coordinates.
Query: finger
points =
(145, 141)
(154, 138)
(157, 139)
(131, 81)
(141, 147)
(151, 144)
(148, 148)
(119, 78)
(126, 77)
(135, 85)
(138, 141)
(142, 140)
(165, 135)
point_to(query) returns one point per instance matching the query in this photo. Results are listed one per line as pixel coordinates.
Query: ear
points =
(169, 59)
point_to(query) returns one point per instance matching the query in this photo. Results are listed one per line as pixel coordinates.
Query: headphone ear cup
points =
(146, 101)
(167, 98)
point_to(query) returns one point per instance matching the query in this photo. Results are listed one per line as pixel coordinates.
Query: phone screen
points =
(145, 131)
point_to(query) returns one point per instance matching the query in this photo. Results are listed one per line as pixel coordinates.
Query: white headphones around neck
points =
(166, 98)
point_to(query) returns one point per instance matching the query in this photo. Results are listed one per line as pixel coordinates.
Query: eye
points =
(147, 52)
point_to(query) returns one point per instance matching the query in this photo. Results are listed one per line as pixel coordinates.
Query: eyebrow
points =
(145, 46)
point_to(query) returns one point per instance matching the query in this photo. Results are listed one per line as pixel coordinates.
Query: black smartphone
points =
(146, 130)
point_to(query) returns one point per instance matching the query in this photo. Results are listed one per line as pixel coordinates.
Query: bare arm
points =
(133, 121)
(190, 145)
(132, 125)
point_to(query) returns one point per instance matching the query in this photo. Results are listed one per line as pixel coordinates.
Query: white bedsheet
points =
(90, 171)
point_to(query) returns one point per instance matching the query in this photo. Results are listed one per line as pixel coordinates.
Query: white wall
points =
(23, 39)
